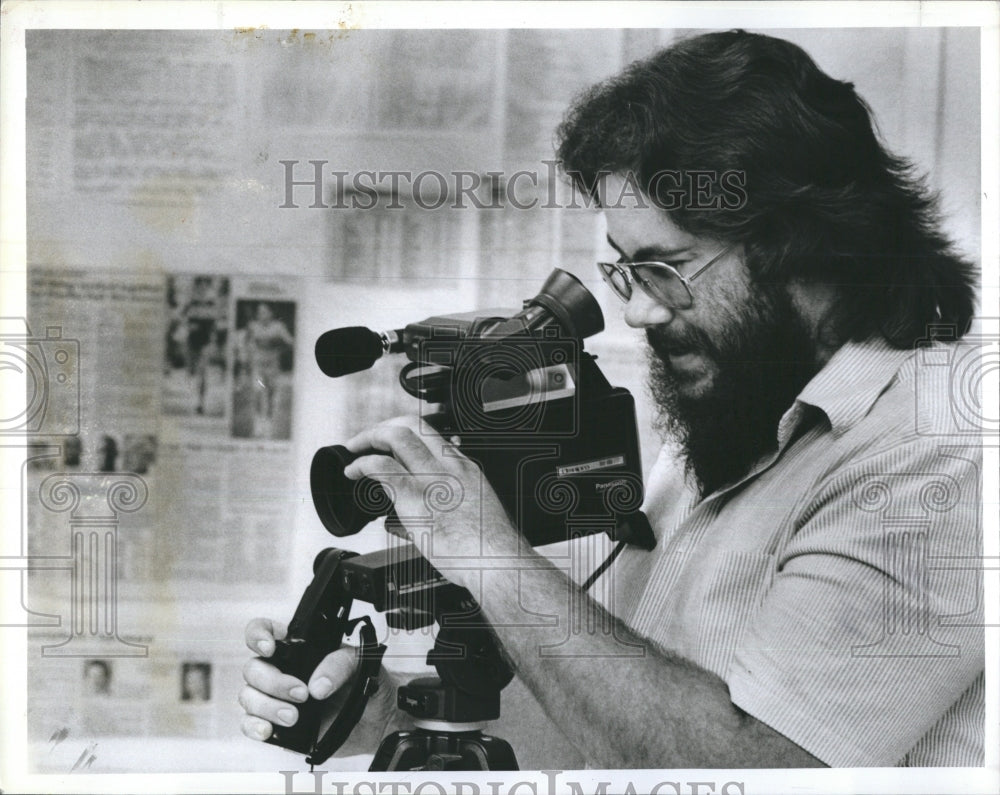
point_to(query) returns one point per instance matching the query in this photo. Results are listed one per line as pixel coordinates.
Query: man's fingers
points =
(373, 466)
(261, 633)
(401, 442)
(403, 445)
(333, 672)
(263, 676)
(256, 728)
(272, 710)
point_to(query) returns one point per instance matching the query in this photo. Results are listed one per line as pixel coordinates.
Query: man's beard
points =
(761, 359)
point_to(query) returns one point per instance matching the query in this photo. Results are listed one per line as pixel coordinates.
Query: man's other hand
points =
(271, 697)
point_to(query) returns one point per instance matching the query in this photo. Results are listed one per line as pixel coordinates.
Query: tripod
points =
(449, 710)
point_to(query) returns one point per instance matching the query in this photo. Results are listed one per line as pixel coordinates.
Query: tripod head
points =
(449, 709)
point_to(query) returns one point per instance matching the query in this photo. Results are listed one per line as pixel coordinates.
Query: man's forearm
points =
(623, 701)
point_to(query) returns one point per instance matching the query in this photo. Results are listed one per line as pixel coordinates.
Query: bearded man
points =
(799, 608)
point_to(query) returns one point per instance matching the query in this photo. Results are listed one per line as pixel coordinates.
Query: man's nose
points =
(642, 311)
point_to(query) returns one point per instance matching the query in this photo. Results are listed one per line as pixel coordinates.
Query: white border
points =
(19, 15)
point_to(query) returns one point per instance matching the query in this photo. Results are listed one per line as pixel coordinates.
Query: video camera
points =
(554, 439)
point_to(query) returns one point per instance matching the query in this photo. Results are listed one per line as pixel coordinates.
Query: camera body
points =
(49, 367)
(566, 465)
(556, 442)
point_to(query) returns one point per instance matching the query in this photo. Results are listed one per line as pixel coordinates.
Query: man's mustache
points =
(665, 341)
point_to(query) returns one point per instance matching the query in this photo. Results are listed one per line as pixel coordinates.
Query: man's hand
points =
(270, 696)
(436, 488)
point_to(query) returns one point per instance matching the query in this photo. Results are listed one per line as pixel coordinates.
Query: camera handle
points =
(364, 685)
(318, 628)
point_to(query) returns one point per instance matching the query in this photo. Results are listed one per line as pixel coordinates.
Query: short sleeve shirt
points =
(836, 589)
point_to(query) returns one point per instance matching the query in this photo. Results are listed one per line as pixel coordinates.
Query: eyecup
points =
(572, 303)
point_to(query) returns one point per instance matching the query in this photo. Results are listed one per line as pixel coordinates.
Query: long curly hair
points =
(824, 200)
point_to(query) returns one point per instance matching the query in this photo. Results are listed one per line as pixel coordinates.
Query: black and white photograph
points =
(97, 677)
(140, 453)
(263, 365)
(195, 354)
(490, 398)
(196, 681)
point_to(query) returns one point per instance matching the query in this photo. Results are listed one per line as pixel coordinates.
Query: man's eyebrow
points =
(650, 252)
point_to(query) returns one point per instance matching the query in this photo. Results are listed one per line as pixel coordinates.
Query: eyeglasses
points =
(659, 280)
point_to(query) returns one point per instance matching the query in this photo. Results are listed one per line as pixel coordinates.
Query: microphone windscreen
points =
(342, 351)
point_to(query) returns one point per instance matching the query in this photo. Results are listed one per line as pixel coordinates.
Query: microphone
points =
(342, 351)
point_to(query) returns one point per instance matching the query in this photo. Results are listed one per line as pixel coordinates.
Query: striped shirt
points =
(836, 588)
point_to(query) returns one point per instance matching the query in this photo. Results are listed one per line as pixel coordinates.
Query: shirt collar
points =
(844, 390)
(848, 386)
